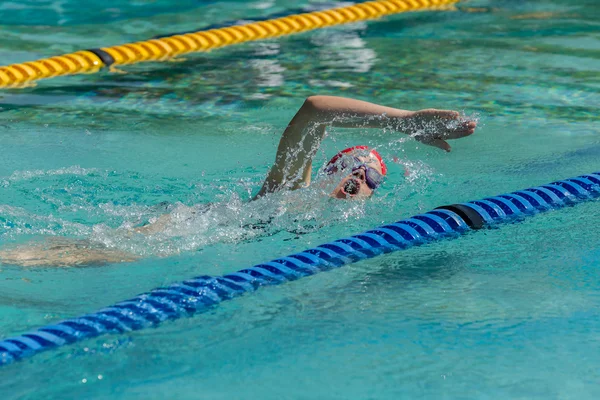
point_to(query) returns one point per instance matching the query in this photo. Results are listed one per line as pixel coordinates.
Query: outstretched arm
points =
(302, 137)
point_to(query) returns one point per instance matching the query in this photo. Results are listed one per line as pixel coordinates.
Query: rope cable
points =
(164, 48)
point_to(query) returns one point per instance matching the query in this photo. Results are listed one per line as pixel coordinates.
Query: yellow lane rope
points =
(90, 61)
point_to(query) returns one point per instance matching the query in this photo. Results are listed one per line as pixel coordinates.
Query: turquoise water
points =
(503, 313)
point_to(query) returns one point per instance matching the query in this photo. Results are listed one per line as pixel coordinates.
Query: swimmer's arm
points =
(351, 113)
(297, 147)
(305, 132)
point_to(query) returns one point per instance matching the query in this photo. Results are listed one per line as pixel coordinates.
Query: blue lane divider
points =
(203, 292)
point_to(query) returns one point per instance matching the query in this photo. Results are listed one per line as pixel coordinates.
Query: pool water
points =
(501, 313)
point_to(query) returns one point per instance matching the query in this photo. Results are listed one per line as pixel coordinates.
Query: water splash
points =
(137, 216)
(79, 211)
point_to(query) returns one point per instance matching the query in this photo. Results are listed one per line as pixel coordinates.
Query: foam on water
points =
(72, 198)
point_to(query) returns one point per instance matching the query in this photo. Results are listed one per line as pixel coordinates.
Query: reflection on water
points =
(270, 73)
(343, 49)
(69, 13)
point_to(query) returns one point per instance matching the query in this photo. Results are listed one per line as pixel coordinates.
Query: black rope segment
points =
(104, 56)
(469, 215)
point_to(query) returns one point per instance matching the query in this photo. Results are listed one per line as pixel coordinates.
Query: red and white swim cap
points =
(353, 148)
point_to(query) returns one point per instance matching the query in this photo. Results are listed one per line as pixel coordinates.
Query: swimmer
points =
(302, 138)
(360, 168)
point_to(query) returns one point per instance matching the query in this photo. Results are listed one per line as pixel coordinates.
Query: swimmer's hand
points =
(433, 127)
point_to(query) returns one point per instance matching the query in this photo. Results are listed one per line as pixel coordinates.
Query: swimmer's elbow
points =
(326, 106)
(315, 109)
(314, 102)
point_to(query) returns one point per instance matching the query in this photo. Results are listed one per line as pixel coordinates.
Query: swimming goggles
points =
(372, 177)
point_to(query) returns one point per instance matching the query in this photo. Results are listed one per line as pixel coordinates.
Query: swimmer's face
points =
(354, 185)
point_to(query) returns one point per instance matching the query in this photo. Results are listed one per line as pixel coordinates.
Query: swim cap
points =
(351, 149)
